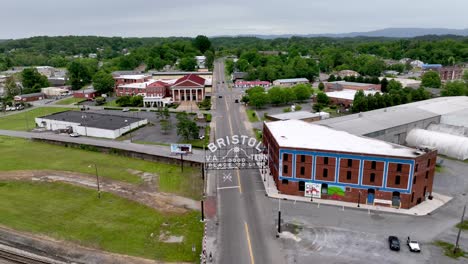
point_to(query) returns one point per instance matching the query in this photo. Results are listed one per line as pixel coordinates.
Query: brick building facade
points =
(347, 167)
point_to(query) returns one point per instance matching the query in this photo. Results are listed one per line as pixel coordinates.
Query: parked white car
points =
(413, 245)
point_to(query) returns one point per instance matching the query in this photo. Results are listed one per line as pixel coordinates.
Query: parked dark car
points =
(394, 243)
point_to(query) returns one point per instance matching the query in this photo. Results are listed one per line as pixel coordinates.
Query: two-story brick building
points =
(317, 161)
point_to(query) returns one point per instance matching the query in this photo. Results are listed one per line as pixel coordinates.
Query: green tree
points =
(332, 78)
(322, 98)
(302, 92)
(394, 86)
(288, 95)
(103, 82)
(465, 76)
(455, 88)
(229, 64)
(275, 95)
(431, 79)
(384, 84)
(166, 126)
(188, 64)
(258, 99)
(420, 94)
(33, 81)
(359, 102)
(209, 59)
(78, 75)
(317, 107)
(321, 86)
(255, 89)
(100, 100)
(11, 89)
(186, 128)
(202, 43)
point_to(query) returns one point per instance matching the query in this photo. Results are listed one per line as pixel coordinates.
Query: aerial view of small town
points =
(245, 132)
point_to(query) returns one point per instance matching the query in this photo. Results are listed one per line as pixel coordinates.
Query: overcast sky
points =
(153, 18)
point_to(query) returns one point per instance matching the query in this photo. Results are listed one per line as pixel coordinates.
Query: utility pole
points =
(279, 217)
(182, 162)
(457, 247)
(202, 211)
(97, 180)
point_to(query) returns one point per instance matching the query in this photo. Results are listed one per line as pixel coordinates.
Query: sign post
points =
(182, 149)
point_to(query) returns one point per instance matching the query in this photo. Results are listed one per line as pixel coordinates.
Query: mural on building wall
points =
(313, 190)
(336, 192)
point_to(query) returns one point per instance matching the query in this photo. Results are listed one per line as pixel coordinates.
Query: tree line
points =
(258, 97)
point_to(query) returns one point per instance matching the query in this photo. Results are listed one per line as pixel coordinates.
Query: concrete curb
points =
(425, 208)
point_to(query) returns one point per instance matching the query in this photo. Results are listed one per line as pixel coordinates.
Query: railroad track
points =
(21, 258)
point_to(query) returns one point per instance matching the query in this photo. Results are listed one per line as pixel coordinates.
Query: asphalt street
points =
(246, 221)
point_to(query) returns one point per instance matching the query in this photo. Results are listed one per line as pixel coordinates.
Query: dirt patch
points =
(166, 237)
(151, 180)
(165, 202)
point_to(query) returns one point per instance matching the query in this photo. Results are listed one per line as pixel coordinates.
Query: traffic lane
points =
(259, 214)
(232, 235)
(260, 217)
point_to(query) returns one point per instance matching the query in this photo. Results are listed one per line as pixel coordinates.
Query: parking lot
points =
(330, 234)
(152, 133)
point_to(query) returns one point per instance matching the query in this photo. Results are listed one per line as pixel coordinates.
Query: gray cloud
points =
(146, 18)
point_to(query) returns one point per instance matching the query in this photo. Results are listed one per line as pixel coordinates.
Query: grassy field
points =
(111, 103)
(24, 120)
(111, 223)
(448, 250)
(463, 225)
(252, 116)
(258, 134)
(21, 154)
(69, 101)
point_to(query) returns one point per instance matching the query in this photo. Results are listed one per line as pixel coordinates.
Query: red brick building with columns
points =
(320, 162)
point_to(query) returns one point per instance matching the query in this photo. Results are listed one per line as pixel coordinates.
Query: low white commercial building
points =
(90, 124)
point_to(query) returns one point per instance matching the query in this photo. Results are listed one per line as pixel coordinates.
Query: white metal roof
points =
(381, 119)
(292, 80)
(297, 115)
(347, 94)
(132, 77)
(299, 134)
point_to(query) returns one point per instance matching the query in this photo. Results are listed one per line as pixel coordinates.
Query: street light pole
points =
(279, 217)
(359, 199)
(457, 247)
(84, 121)
(97, 180)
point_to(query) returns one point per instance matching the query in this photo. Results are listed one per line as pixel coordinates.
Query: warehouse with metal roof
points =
(393, 124)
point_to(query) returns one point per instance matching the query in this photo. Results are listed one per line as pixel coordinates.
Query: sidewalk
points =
(424, 208)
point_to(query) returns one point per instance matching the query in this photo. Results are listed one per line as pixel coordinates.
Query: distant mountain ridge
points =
(387, 32)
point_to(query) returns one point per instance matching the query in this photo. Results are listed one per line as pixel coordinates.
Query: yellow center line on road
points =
(238, 179)
(232, 133)
(252, 261)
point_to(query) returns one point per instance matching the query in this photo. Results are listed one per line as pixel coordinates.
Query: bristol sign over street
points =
(234, 152)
